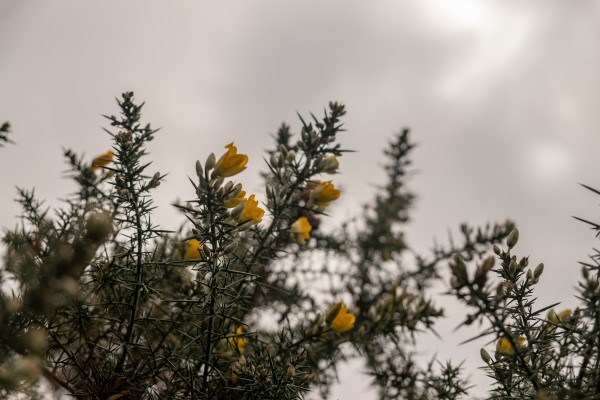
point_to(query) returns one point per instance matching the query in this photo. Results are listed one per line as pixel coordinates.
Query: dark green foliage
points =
(106, 305)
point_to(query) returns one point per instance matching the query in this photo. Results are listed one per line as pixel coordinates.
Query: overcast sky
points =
(502, 97)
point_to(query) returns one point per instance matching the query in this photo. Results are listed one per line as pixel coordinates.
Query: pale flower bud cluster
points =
(124, 138)
(383, 311)
(244, 369)
(460, 277)
(154, 182)
(316, 326)
(481, 273)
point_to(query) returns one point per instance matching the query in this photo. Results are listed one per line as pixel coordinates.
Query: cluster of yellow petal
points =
(102, 160)
(300, 230)
(231, 163)
(252, 212)
(504, 348)
(192, 251)
(339, 319)
(561, 317)
(324, 193)
(238, 342)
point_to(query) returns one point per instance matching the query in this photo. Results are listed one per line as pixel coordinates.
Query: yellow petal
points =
(102, 160)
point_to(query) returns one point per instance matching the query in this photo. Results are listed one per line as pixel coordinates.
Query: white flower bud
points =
(512, 267)
(537, 272)
(485, 356)
(230, 248)
(513, 238)
(291, 371)
(210, 161)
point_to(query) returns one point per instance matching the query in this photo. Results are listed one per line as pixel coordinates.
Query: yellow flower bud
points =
(102, 160)
(300, 230)
(339, 319)
(230, 163)
(504, 348)
(559, 318)
(193, 250)
(236, 200)
(238, 342)
(331, 165)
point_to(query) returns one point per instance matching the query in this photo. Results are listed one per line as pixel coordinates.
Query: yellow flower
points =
(339, 319)
(231, 163)
(238, 342)
(252, 211)
(300, 230)
(102, 160)
(236, 201)
(324, 193)
(560, 317)
(504, 348)
(193, 250)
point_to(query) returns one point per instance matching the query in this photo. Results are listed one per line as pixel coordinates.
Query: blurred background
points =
(501, 97)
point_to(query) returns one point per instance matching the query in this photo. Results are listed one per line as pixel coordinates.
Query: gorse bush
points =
(261, 295)
(539, 352)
